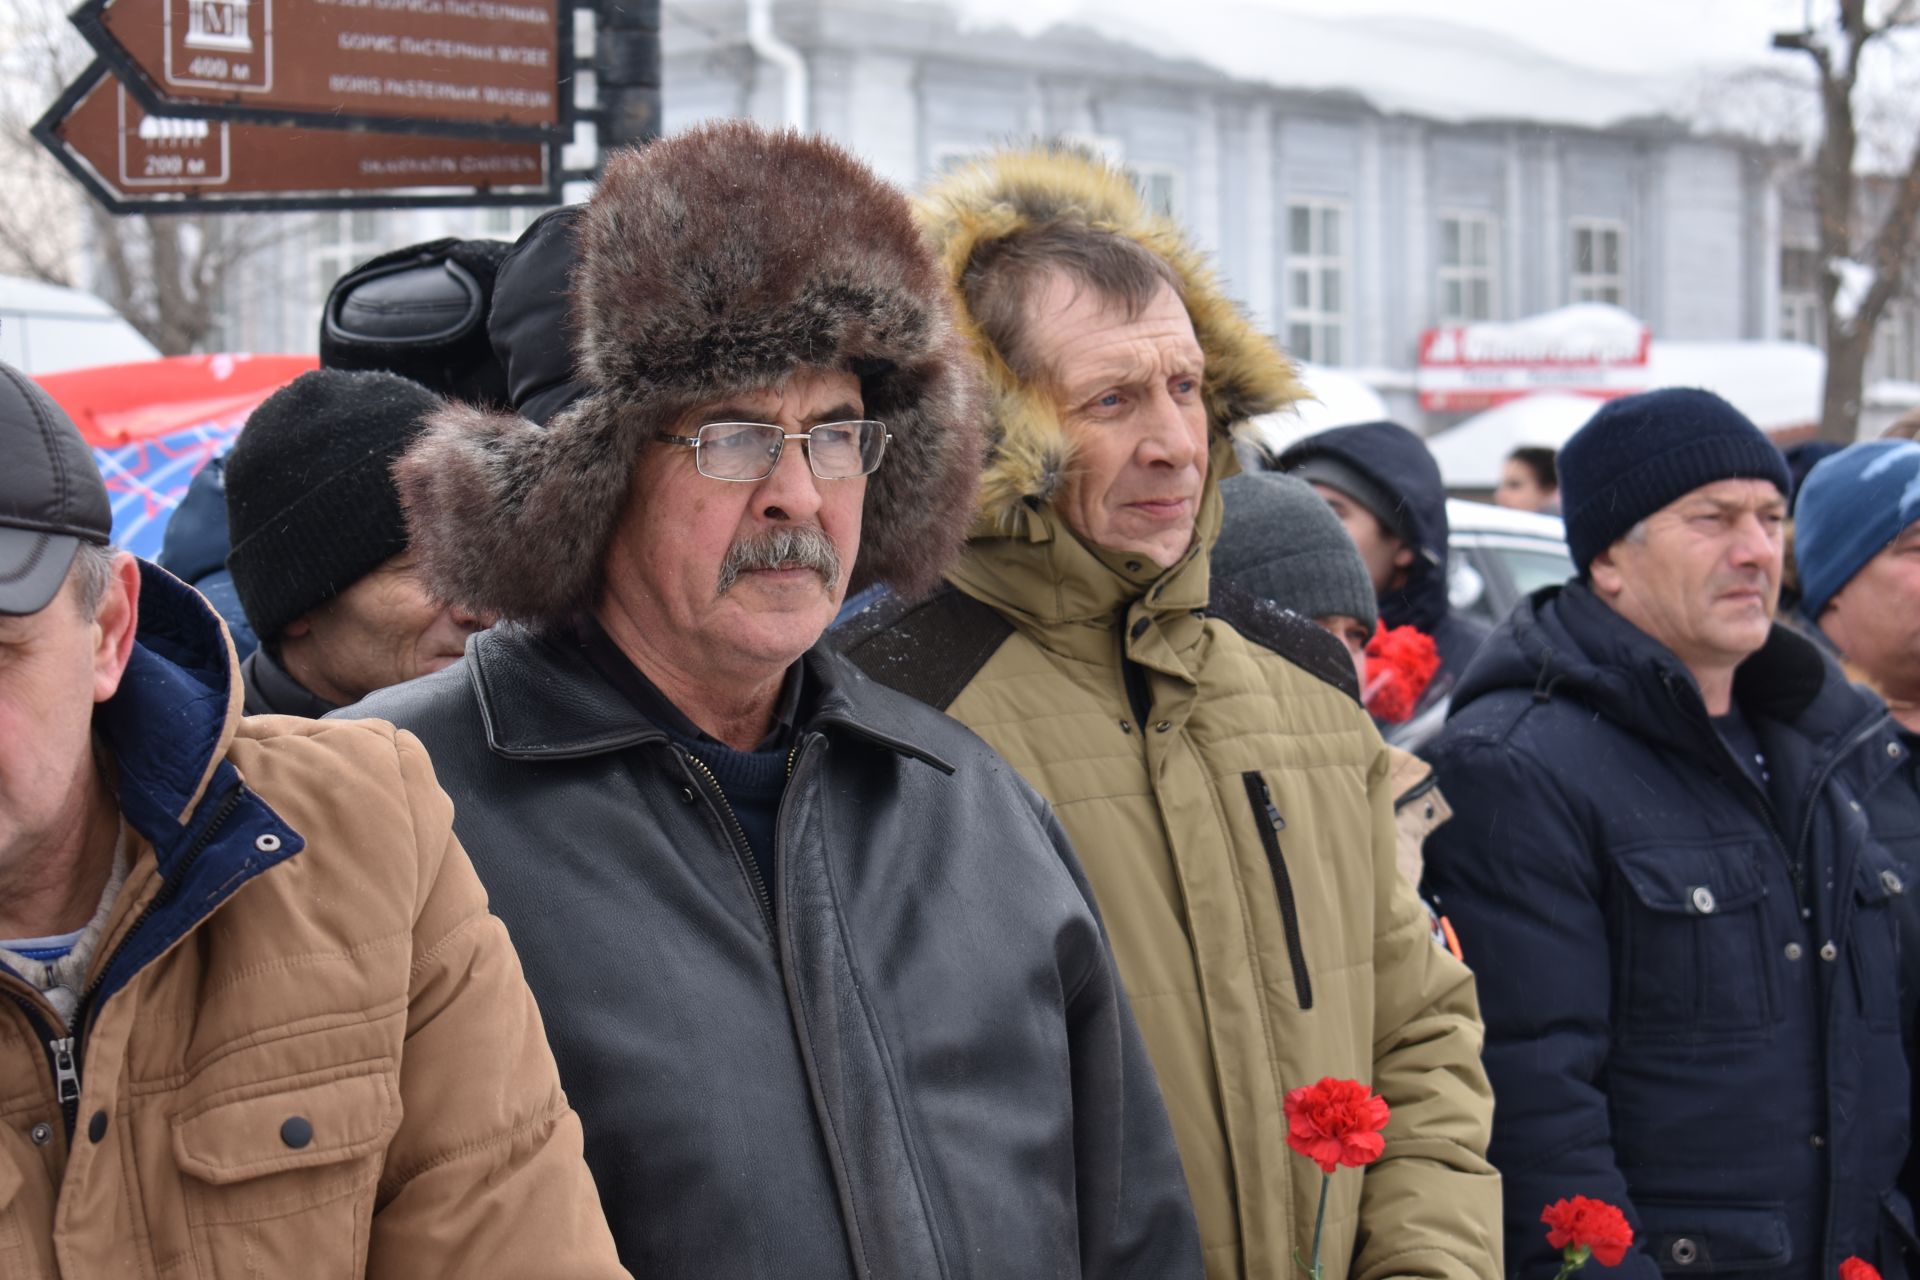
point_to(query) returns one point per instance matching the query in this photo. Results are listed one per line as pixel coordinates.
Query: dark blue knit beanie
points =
(1640, 453)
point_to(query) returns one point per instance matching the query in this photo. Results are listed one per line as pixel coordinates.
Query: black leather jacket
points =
(920, 1064)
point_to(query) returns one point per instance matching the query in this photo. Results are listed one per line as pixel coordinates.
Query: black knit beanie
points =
(311, 506)
(1639, 453)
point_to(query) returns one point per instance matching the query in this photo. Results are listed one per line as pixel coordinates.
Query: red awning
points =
(121, 404)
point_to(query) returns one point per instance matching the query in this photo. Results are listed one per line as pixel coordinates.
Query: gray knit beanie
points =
(1281, 541)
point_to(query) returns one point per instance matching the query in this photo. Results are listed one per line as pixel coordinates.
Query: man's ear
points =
(1404, 557)
(114, 625)
(1604, 573)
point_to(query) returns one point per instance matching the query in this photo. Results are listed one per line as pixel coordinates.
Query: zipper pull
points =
(66, 1071)
(1273, 813)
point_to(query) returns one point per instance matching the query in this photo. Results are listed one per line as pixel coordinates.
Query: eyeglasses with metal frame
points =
(749, 451)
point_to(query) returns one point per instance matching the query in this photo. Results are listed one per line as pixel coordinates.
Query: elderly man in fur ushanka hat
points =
(1229, 798)
(823, 977)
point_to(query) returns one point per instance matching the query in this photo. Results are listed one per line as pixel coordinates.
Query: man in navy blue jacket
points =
(1678, 861)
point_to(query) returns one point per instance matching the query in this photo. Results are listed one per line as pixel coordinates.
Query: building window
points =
(343, 240)
(1467, 243)
(506, 222)
(1599, 262)
(1802, 319)
(1317, 280)
(949, 156)
(1894, 339)
(1159, 188)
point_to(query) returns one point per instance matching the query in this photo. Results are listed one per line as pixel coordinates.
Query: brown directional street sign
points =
(497, 67)
(135, 162)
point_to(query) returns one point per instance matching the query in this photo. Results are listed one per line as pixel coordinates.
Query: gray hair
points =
(90, 576)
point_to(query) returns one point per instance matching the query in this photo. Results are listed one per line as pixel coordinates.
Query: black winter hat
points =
(311, 505)
(532, 323)
(420, 312)
(1639, 453)
(1279, 541)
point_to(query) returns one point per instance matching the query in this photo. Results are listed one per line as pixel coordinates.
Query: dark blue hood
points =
(165, 728)
(195, 550)
(1398, 461)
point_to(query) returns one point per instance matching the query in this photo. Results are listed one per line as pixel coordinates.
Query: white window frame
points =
(1144, 173)
(1464, 273)
(1588, 286)
(331, 259)
(1315, 320)
(948, 156)
(1803, 316)
(517, 217)
(1892, 356)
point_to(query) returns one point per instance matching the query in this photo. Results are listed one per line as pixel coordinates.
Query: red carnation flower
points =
(1336, 1122)
(1400, 665)
(1581, 1226)
(1858, 1269)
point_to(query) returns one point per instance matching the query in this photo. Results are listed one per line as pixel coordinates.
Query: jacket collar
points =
(542, 698)
(1069, 596)
(270, 689)
(169, 728)
(1567, 641)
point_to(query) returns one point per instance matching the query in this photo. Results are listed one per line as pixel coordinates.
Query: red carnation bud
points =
(1858, 1269)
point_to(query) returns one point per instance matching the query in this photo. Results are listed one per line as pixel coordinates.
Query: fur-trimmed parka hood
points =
(1008, 191)
(717, 261)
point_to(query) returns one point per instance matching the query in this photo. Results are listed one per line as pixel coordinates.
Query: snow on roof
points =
(46, 329)
(1470, 455)
(1401, 63)
(1777, 384)
(1338, 399)
(19, 294)
(1892, 393)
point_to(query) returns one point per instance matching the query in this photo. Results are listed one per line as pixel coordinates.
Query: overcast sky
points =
(1619, 35)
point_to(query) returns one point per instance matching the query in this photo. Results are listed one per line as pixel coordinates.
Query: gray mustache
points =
(800, 547)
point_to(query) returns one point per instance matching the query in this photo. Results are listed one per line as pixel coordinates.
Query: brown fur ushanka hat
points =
(717, 261)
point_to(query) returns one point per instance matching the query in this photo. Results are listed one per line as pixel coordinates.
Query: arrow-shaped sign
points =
(134, 162)
(489, 67)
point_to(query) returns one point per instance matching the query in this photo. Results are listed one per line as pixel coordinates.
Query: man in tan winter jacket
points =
(1208, 756)
(257, 1019)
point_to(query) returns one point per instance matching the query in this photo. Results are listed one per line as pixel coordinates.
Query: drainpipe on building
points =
(793, 67)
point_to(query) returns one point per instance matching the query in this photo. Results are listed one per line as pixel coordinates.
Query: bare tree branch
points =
(167, 275)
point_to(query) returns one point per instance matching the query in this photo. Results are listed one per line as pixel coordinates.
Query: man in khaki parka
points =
(255, 1019)
(1229, 798)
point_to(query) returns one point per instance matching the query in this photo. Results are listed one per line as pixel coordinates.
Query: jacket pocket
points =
(1693, 956)
(281, 1175)
(1873, 941)
(1269, 823)
(1689, 1239)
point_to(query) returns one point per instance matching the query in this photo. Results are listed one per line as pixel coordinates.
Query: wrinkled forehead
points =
(1079, 332)
(1729, 497)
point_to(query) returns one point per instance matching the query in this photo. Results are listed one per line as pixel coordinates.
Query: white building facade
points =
(1345, 229)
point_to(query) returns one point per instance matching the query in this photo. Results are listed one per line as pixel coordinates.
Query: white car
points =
(1495, 556)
